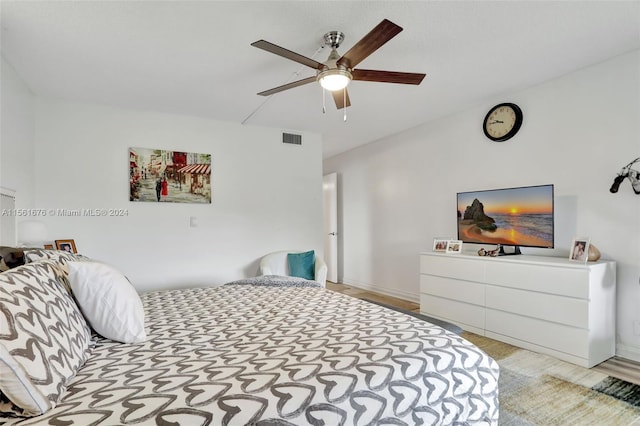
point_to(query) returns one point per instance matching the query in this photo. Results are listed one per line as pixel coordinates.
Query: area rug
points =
(537, 389)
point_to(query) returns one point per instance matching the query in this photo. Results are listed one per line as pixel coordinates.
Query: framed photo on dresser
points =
(440, 244)
(579, 249)
(454, 246)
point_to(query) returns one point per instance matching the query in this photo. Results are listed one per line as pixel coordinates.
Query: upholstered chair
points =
(277, 263)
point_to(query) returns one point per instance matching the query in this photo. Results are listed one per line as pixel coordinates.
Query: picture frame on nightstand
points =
(66, 245)
(440, 244)
(579, 249)
(454, 246)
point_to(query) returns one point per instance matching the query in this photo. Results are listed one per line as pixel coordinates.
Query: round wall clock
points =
(502, 122)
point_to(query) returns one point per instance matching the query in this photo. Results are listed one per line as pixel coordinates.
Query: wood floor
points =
(620, 368)
(376, 297)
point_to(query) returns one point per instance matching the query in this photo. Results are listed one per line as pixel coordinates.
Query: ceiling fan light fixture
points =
(337, 71)
(334, 79)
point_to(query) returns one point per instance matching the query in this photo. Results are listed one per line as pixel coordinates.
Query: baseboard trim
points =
(404, 295)
(628, 352)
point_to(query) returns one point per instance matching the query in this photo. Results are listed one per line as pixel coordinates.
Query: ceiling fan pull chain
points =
(344, 97)
(324, 109)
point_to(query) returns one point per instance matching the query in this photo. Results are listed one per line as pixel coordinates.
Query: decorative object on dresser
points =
(594, 253)
(440, 244)
(66, 245)
(454, 246)
(545, 304)
(579, 249)
(492, 253)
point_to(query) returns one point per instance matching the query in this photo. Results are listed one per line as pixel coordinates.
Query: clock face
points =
(502, 122)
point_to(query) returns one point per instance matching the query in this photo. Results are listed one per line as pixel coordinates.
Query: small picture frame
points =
(579, 249)
(454, 246)
(48, 246)
(440, 244)
(66, 245)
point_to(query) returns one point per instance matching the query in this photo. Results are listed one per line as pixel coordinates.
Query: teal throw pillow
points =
(302, 265)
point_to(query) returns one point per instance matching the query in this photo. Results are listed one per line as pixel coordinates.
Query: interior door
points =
(330, 207)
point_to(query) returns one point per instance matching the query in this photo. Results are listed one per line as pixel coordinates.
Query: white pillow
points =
(108, 301)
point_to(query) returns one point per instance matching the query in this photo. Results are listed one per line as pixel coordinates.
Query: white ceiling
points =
(195, 58)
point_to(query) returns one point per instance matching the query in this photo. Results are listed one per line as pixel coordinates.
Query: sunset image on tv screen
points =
(515, 216)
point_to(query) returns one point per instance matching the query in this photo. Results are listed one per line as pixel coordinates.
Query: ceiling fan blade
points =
(287, 86)
(388, 76)
(378, 36)
(281, 51)
(339, 97)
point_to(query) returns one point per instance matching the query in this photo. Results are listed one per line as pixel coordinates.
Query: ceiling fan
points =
(338, 71)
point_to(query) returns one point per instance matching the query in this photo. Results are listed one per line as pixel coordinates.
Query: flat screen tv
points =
(520, 217)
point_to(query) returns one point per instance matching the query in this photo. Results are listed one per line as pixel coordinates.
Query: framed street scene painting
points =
(162, 176)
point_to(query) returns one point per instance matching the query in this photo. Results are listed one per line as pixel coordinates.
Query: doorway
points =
(330, 214)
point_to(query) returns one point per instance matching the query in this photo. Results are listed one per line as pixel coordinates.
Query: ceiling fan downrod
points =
(334, 39)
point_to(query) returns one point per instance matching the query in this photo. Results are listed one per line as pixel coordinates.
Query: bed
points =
(273, 351)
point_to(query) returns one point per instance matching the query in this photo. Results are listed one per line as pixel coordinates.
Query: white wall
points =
(16, 136)
(397, 194)
(266, 195)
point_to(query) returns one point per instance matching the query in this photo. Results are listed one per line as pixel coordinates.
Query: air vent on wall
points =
(292, 139)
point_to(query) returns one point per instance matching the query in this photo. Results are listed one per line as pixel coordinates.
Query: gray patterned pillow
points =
(60, 256)
(44, 338)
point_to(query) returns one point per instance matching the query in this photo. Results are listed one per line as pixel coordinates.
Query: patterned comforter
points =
(279, 355)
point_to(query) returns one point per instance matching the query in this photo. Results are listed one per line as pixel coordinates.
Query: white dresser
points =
(549, 305)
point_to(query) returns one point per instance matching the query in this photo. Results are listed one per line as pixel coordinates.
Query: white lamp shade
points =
(334, 79)
(31, 232)
(334, 82)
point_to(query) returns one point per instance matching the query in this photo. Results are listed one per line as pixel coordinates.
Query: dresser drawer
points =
(559, 309)
(453, 311)
(547, 304)
(464, 291)
(572, 282)
(452, 267)
(570, 340)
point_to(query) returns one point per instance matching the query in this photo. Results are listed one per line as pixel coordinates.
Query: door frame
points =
(330, 224)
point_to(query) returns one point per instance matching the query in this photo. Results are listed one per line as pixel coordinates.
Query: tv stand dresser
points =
(549, 305)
